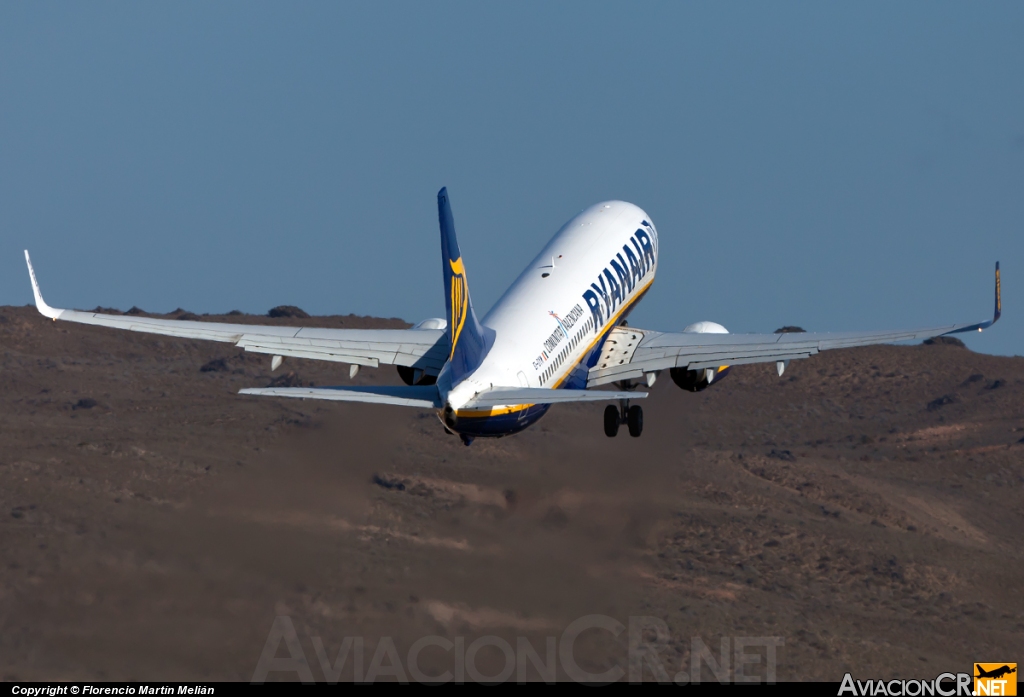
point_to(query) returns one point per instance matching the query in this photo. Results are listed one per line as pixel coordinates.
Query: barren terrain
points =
(865, 508)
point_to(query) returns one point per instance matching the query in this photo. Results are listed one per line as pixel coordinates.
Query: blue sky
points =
(832, 165)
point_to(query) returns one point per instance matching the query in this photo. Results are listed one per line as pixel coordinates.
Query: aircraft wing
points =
(426, 349)
(629, 354)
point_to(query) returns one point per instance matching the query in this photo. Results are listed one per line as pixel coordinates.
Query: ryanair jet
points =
(557, 332)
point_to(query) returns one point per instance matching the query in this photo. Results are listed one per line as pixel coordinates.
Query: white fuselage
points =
(553, 319)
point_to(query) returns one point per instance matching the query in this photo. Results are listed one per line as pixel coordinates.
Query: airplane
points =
(558, 332)
(995, 672)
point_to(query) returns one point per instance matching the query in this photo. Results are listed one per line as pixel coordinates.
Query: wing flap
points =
(694, 358)
(316, 355)
(390, 349)
(701, 365)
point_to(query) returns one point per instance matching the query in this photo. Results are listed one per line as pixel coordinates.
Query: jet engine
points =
(689, 380)
(432, 323)
(698, 380)
(416, 376)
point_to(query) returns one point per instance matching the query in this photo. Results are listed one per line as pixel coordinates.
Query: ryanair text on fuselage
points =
(626, 269)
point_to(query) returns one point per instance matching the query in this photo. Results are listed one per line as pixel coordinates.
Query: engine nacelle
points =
(432, 323)
(697, 380)
(415, 376)
(689, 380)
(705, 328)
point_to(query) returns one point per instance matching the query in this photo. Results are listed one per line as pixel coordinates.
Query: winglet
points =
(41, 305)
(995, 315)
(999, 298)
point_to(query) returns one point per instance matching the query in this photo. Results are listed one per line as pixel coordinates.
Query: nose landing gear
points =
(632, 416)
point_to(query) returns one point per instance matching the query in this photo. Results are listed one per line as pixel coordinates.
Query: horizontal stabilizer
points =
(500, 396)
(423, 396)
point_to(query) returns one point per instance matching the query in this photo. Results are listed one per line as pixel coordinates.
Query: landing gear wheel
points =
(611, 420)
(635, 420)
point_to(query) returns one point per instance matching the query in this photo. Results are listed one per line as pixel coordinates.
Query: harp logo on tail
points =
(460, 302)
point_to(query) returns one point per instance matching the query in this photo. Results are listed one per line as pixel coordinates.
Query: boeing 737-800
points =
(558, 331)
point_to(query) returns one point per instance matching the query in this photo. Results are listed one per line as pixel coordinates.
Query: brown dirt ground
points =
(157, 534)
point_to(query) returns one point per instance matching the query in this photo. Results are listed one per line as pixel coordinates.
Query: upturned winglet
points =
(995, 315)
(999, 298)
(44, 309)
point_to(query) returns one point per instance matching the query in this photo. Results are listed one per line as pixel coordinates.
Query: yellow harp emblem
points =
(460, 302)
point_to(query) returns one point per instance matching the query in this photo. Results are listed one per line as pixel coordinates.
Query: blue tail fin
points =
(470, 341)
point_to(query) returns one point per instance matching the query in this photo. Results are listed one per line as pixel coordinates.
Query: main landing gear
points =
(632, 416)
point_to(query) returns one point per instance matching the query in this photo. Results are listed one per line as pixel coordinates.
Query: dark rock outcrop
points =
(290, 379)
(945, 341)
(943, 401)
(217, 365)
(287, 311)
